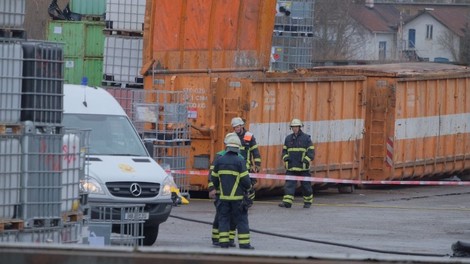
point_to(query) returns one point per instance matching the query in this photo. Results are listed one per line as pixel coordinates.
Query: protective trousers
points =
(290, 185)
(228, 210)
(215, 227)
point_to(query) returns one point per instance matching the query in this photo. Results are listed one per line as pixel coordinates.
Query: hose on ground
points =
(323, 242)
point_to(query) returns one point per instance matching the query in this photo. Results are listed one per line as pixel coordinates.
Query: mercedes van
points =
(120, 170)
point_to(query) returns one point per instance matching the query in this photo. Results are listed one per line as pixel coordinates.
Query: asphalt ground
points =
(403, 221)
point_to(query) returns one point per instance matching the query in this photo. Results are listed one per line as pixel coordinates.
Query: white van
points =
(120, 168)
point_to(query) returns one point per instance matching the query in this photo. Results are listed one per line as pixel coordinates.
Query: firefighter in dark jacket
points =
(214, 194)
(249, 148)
(230, 177)
(297, 153)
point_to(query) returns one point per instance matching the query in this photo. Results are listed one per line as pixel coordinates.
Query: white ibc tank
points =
(12, 13)
(126, 15)
(123, 58)
(10, 174)
(11, 74)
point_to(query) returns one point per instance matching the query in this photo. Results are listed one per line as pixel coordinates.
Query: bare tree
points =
(447, 41)
(335, 30)
(465, 46)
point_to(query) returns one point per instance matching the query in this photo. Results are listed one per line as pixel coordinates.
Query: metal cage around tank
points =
(118, 224)
(161, 116)
(293, 35)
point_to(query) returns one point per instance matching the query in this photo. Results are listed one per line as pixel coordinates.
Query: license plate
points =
(136, 216)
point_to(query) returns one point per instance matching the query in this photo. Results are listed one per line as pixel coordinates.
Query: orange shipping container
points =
(333, 110)
(417, 121)
(201, 36)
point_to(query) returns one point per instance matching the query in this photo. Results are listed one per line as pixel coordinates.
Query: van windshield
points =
(110, 135)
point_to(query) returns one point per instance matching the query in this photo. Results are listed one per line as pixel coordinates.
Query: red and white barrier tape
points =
(328, 180)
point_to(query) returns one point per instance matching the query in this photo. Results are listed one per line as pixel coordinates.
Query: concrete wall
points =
(37, 17)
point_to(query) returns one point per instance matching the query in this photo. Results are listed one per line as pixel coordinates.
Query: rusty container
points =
(201, 36)
(211, 49)
(212, 103)
(417, 121)
(332, 109)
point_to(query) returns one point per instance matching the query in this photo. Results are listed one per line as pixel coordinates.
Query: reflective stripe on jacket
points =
(210, 185)
(249, 149)
(230, 176)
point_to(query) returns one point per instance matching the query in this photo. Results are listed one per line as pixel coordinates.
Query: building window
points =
(411, 38)
(382, 50)
(428, 31)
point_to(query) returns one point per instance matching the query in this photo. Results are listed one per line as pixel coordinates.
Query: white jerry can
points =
(71, 167)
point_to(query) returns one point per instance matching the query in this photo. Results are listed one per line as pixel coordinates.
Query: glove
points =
(253, 181)
(212, 194)
(246, 203)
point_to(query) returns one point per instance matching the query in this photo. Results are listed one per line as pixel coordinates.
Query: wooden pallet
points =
(92, 17)
(127, 33)
(114, 84)
(12, 33)
(6, 129)
(11, 224)
(73, 216)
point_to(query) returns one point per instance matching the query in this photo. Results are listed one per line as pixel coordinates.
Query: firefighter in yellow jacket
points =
(297, 153)
(230, 178)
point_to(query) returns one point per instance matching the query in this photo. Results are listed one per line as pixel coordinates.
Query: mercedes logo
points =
(135, 189)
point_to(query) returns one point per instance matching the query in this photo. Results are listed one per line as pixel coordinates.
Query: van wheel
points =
(151, 234)
(346, 188)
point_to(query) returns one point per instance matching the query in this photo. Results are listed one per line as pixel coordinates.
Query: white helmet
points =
(232, 140)
(296, 123)
(237, 121)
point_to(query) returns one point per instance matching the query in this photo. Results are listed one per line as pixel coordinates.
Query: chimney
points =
(370, 3)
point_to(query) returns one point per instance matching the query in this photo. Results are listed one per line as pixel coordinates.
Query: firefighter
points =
(249, 150)
(213, 194)
(297, 153)
(230, 177)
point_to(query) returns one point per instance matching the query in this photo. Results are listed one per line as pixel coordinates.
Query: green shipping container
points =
(88, 7)
(77, 68)
(81, 38)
